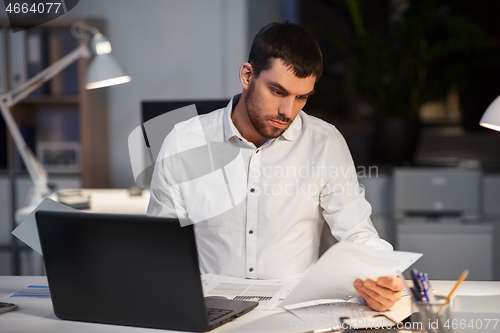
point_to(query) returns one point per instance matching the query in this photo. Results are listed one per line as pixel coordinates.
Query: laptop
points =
(128, 270)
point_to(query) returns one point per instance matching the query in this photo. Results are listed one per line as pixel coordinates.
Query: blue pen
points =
(424, 288)
(429, 288)
(416, 281)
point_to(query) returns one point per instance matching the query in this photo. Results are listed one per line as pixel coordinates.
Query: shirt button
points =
(257, 151)
(251, 269)
(250, 231)
(252, 190)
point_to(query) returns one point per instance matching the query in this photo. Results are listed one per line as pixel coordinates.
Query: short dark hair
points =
(292, 43)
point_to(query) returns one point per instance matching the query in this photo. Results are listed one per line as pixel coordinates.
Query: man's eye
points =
(277, 92)
(302, 98)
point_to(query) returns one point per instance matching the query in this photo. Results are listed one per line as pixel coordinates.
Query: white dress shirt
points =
(266, 218)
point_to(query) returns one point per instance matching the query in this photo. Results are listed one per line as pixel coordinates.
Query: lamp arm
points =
(32, 84)
(36, 171)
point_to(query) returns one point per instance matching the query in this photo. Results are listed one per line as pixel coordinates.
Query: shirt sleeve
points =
(343, 201)
(166, 198)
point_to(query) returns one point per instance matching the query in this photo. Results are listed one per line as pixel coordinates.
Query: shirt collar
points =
(229, 128)
(231, 131)
(291, 133)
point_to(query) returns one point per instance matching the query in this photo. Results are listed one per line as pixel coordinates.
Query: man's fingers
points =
(380, 295)
(382, 291)
(382, 299)
(393, 284)
(374, 295)
(372, 303)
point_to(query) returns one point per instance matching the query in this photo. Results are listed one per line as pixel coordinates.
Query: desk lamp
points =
(103, 71)
(491, 117)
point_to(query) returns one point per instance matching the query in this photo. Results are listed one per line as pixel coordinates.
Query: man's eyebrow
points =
(279, 86)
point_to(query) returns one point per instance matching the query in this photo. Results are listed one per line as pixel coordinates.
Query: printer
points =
(438, 212)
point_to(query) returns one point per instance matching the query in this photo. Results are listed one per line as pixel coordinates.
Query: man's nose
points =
(286, 107)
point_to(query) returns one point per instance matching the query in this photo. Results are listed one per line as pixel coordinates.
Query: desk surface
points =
(38, 316)
(108, 201)
(117, 201)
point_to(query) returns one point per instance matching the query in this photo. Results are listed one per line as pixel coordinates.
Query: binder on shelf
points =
(58, 146)
(58, 124)
(37, 56)
(18, 70)
(3, 73)
(55, 53)
(70, 73)
(3, 144)
(29, 134)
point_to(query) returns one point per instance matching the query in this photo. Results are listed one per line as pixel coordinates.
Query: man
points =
(298, 173)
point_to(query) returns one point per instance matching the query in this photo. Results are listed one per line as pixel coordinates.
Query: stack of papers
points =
(322, 314)
(335, 272)
(269, 293)
(29, 293)
(326, 294)
(330, 283)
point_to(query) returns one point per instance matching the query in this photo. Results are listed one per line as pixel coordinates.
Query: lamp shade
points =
(104, 71)
(491, 118)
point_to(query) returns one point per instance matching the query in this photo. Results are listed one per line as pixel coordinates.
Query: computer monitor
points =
(146, 140)
(152, 109)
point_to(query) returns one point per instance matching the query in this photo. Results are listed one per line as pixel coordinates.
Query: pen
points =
(416, 282)
(424, 288)
(429, 288)
(460, 280)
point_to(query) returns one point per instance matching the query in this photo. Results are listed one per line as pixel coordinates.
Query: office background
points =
(192, 49)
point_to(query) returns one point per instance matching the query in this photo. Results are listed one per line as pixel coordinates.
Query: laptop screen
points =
(121, 269)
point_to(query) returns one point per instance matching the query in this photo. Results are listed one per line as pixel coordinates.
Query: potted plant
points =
(425, 50)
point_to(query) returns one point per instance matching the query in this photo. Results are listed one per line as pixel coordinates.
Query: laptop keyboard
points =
(214, 314)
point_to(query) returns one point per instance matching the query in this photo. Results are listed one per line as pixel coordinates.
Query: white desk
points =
(117, 201)
(113, 201)
(37, 316)
(108, 201)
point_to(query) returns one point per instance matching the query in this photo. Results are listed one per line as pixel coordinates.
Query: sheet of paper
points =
(205, 280)
(402, 309)
(269, 293)
(329, 315)
(27, 231)
(335, 272)
(29, 293)
(326, 314)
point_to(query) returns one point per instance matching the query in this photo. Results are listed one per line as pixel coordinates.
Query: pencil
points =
(460, 280)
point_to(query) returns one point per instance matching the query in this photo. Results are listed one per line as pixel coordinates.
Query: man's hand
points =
(382, 294)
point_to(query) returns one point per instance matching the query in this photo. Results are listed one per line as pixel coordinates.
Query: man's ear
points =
(246, 74)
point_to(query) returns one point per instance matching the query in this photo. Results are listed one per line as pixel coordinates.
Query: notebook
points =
(128, 270)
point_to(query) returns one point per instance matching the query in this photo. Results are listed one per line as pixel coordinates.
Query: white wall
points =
(172, 50)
